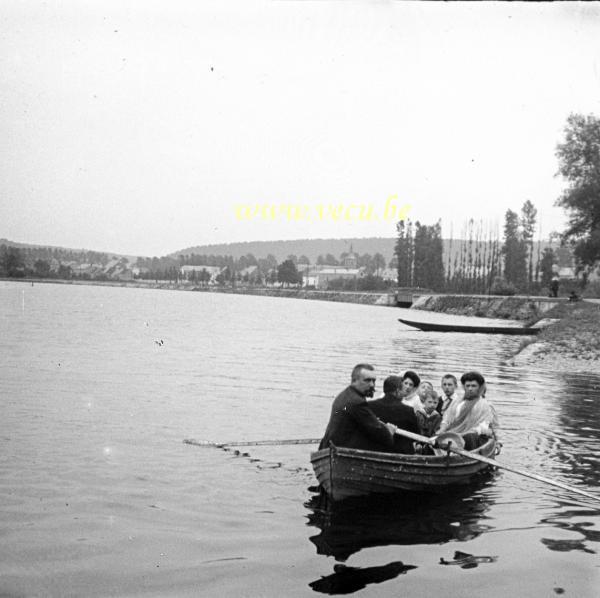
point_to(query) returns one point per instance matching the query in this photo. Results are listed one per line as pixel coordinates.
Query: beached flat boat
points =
(345, 472)
(435, 327)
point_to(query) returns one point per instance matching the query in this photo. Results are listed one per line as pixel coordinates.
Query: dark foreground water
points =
(100, 497)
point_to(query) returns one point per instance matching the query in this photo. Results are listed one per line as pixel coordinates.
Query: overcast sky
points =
(139, 127)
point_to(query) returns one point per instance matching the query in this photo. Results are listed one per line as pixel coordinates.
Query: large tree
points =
(428, 260)
(514, 250)
(546, 264)
(404, 251)
(528, 221)
(41, 268)
(579, 164)
(287, 273)
(11, 261)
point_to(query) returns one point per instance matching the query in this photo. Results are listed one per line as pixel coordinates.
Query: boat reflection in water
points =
(409, 518)
(351, 525)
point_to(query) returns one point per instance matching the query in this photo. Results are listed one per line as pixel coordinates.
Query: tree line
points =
(54, 263)
(485, 263)
(45, 262)
(474, 264)
(480, 261)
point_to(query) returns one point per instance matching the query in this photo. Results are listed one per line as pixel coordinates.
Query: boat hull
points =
(434, 327)
(344, 472)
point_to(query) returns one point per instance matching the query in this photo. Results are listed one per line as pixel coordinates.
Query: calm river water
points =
(100, 497)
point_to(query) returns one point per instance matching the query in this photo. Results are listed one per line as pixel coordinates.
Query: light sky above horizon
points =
(140, 127)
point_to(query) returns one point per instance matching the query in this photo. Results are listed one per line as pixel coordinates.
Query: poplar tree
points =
(514, 250)
(404, 252)
(428, 256)
(528, 221)
(546, 263)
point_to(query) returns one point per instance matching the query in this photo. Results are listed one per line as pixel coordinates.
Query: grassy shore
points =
(571, 344)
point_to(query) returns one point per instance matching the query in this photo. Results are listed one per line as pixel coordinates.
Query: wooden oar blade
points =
(274, 442)
(204, 443)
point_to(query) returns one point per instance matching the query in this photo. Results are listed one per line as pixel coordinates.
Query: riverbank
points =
(364, 298)
(572, 343)
(523, 308)
(526, 309)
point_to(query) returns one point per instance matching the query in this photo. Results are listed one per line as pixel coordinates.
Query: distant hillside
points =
(59, 248)
(311, 248)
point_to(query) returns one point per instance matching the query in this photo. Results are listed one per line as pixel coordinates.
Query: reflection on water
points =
(579, 427)
(468, 561)
(410, 518)
(568, 521)
(346, 580)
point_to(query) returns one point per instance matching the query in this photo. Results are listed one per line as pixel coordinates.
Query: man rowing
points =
(472, 416)
(352, 424)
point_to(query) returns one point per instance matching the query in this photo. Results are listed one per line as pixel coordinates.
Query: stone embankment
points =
(522, 308)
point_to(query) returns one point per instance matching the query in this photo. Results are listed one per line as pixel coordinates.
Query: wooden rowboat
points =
(435, 327)
(344, 472)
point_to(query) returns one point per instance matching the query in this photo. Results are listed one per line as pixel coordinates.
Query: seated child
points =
(428, 418)
(422, 391)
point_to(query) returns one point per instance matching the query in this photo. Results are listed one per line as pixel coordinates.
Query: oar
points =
(209, 443)
(476, 457)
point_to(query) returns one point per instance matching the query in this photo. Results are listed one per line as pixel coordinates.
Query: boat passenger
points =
(390, 409)
(352, 424)
(449, 386)
(472, 416)
(428, 418)
(425, 388)
(410, 384)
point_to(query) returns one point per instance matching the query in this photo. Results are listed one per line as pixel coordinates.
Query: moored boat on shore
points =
(437, 327)
(344, 472)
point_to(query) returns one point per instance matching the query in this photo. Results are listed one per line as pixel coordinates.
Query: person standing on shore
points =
(351, 423)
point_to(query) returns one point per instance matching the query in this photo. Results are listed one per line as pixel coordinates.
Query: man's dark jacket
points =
(391, 410)
(353, 425)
